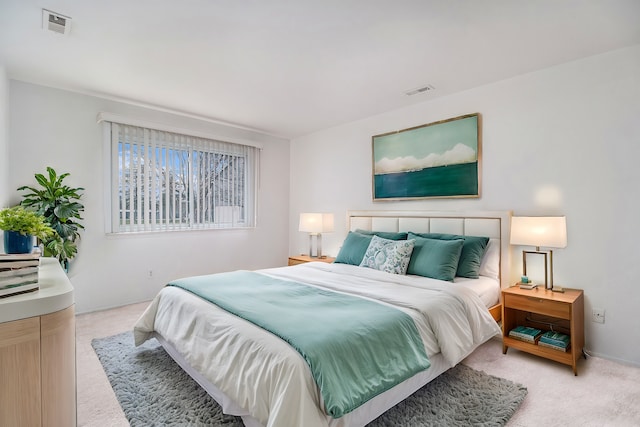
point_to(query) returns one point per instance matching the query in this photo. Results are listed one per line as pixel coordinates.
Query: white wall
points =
(564, 140)
(4, 133)
(50, 127)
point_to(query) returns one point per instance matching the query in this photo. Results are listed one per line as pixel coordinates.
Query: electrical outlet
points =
(597, 315)
(150, 273)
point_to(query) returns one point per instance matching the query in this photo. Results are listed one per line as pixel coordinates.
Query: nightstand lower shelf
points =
(547, 353)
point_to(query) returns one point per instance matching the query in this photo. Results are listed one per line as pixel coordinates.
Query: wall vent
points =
(55, 22)
(420, 89)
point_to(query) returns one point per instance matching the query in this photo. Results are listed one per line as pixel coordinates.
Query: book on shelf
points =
(26, 279)
(555, 339)
(525, 333)
(13, 272)
(555, 347)
(19, 257)
(9, 265)
(12, 290)
(17, 261)
(18, 273)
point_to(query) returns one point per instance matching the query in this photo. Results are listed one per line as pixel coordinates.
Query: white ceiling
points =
(292, 67)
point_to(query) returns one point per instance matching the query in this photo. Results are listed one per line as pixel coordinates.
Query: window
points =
(163, 180)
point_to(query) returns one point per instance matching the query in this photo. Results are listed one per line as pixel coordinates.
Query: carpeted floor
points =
(604, 393)
(153, 390)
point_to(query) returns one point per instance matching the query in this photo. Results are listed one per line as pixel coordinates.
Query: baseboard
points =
(110, 307)
(612, 359)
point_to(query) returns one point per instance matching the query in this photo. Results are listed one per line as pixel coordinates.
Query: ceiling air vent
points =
(418, 90)
(55, 22)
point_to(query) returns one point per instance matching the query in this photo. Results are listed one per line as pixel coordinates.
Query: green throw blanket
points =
(355, 348)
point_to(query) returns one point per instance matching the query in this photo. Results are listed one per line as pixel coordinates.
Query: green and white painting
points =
(439, 159)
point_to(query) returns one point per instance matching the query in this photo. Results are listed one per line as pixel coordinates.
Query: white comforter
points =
(267, 377)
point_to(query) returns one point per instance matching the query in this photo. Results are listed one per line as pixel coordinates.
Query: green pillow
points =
(435, 258)
(472, 252)
(389, 235)
(353, 249)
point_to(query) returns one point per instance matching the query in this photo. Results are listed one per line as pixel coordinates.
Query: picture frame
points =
(436, 160)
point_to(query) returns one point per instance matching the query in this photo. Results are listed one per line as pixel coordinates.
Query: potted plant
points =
(61, 207)
(20, 227)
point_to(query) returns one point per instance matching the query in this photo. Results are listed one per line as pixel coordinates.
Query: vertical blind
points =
(170, 181)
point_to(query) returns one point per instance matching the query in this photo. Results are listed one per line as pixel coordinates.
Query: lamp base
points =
(318, 245)
(558, 289)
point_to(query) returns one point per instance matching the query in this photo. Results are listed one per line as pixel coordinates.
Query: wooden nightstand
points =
(542, 309)
(301, 259)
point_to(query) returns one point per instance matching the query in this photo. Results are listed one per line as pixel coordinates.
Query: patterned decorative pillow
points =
(387, 255)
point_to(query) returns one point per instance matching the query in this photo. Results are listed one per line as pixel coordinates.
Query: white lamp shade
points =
(539, 231)
(316, 222)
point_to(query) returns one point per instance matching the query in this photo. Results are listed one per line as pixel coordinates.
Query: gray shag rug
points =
(154, 391)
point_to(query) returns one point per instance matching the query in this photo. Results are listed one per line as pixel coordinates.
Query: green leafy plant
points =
(63, 249)
(61, 207)
(25, 222)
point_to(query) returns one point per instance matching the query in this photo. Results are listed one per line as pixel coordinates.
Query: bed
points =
(256, 374)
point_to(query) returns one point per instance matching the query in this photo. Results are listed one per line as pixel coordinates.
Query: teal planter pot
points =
(16, 243)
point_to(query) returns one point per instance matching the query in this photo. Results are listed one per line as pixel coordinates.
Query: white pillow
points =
(490, 264)
(387, 255)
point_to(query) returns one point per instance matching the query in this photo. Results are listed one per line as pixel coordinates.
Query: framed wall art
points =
(440, 159)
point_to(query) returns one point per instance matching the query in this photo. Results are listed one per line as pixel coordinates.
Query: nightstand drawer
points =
(538, 305)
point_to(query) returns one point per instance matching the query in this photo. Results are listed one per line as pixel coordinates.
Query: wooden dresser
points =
(38, 353)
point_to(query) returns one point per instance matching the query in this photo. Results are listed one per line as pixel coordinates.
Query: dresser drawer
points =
(547, 307)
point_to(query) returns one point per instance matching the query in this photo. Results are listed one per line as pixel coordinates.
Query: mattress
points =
(258, 376)
(487, 288)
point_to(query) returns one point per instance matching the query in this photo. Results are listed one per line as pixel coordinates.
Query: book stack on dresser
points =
(18, 273)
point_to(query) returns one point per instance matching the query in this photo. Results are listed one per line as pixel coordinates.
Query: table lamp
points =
(540, 231)
(315, 224)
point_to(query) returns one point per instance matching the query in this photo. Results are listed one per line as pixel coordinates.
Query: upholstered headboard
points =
(494, 224)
